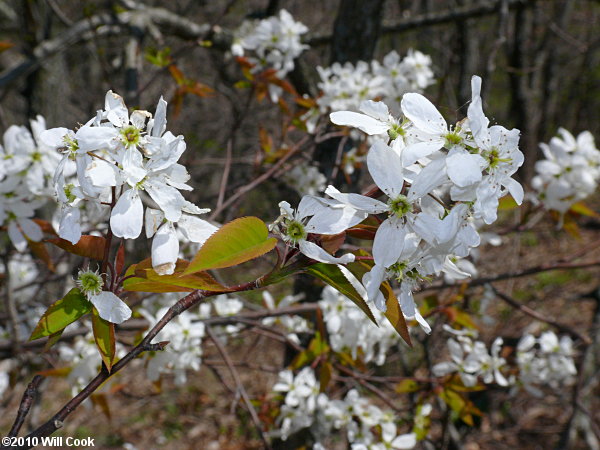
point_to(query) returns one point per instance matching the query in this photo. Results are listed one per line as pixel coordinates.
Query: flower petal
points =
(110, 307)
(386, 168)
(165, 250)
(315, 252)
(423, 114)
(363, 122)
(127, 216)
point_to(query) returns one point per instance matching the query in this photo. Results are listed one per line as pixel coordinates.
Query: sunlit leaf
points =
(88, 246)
(104, 335)
(334, 277)
(234, 243)
(145, 279)
(62, 313)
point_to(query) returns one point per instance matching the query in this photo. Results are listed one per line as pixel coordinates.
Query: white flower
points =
(109, 306)
(316, 216)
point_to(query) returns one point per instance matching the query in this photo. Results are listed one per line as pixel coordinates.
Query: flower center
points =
(400, 205)
(90, 282)
(295, 231)
(130, 135)
(453, 139)
(395, 131)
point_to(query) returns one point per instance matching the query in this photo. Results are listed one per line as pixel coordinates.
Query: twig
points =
(225, 178)
(538, 316)
(25, 406)
(522, 273)
(240, 387)
(258, 180)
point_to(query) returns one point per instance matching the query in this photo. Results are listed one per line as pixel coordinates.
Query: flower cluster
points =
(84, 360)
(351, 330)
(306, 179)
(347, 86)
(275, 42)
(472, 360)
(545, 360)
(470, 165)
(119, 158)
(25, 180)
(570, 171)
(305, 408)
(185, 334)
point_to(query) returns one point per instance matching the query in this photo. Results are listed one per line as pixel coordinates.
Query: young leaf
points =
(62, 313)
(394, 313)
(333, 276)
(104, 335)
(145, 279)
(238, 241)
(88, 246)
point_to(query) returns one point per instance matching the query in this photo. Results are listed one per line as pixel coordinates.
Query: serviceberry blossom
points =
(345, 87)
(184, 352)
(303, 407)
(85, 361)
(109, 306)
(306, 179)
(546, 360)
(274, 43)
(120, 157)
(471, 360)
(570, 171)
(25, 181)
(468, 164)
(316, 216)
(350, 330)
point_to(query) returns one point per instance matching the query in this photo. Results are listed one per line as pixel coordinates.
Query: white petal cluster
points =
(346, 86)
(570, 171)
(472, 360)
(469, 164)
(292, 324)
(85, 361)
(184, 351)
(304, 407)
(274, 42)
(350, 330)
(316, 216)
(546, 360)
(119, 158)
(305, 179)
(26, 168)
(185, 334)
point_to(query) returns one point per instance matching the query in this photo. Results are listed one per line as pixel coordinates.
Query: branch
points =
(426, 20)
(107, 24)
(538, 316)
(516, 274)
(240, 387)
(25, 406)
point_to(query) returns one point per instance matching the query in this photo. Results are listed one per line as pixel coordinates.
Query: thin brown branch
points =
(240, 387)
(25, 406)
(538, 316)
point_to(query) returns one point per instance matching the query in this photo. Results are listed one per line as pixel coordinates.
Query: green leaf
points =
(407, 386)
(394, 313)
(325, 375)
(463, 407)
(316, 348)
(62, 313)
(334, 277)
(104, 335)
(88, 246)
(234, 243)
(145, 279)
(583, 210)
